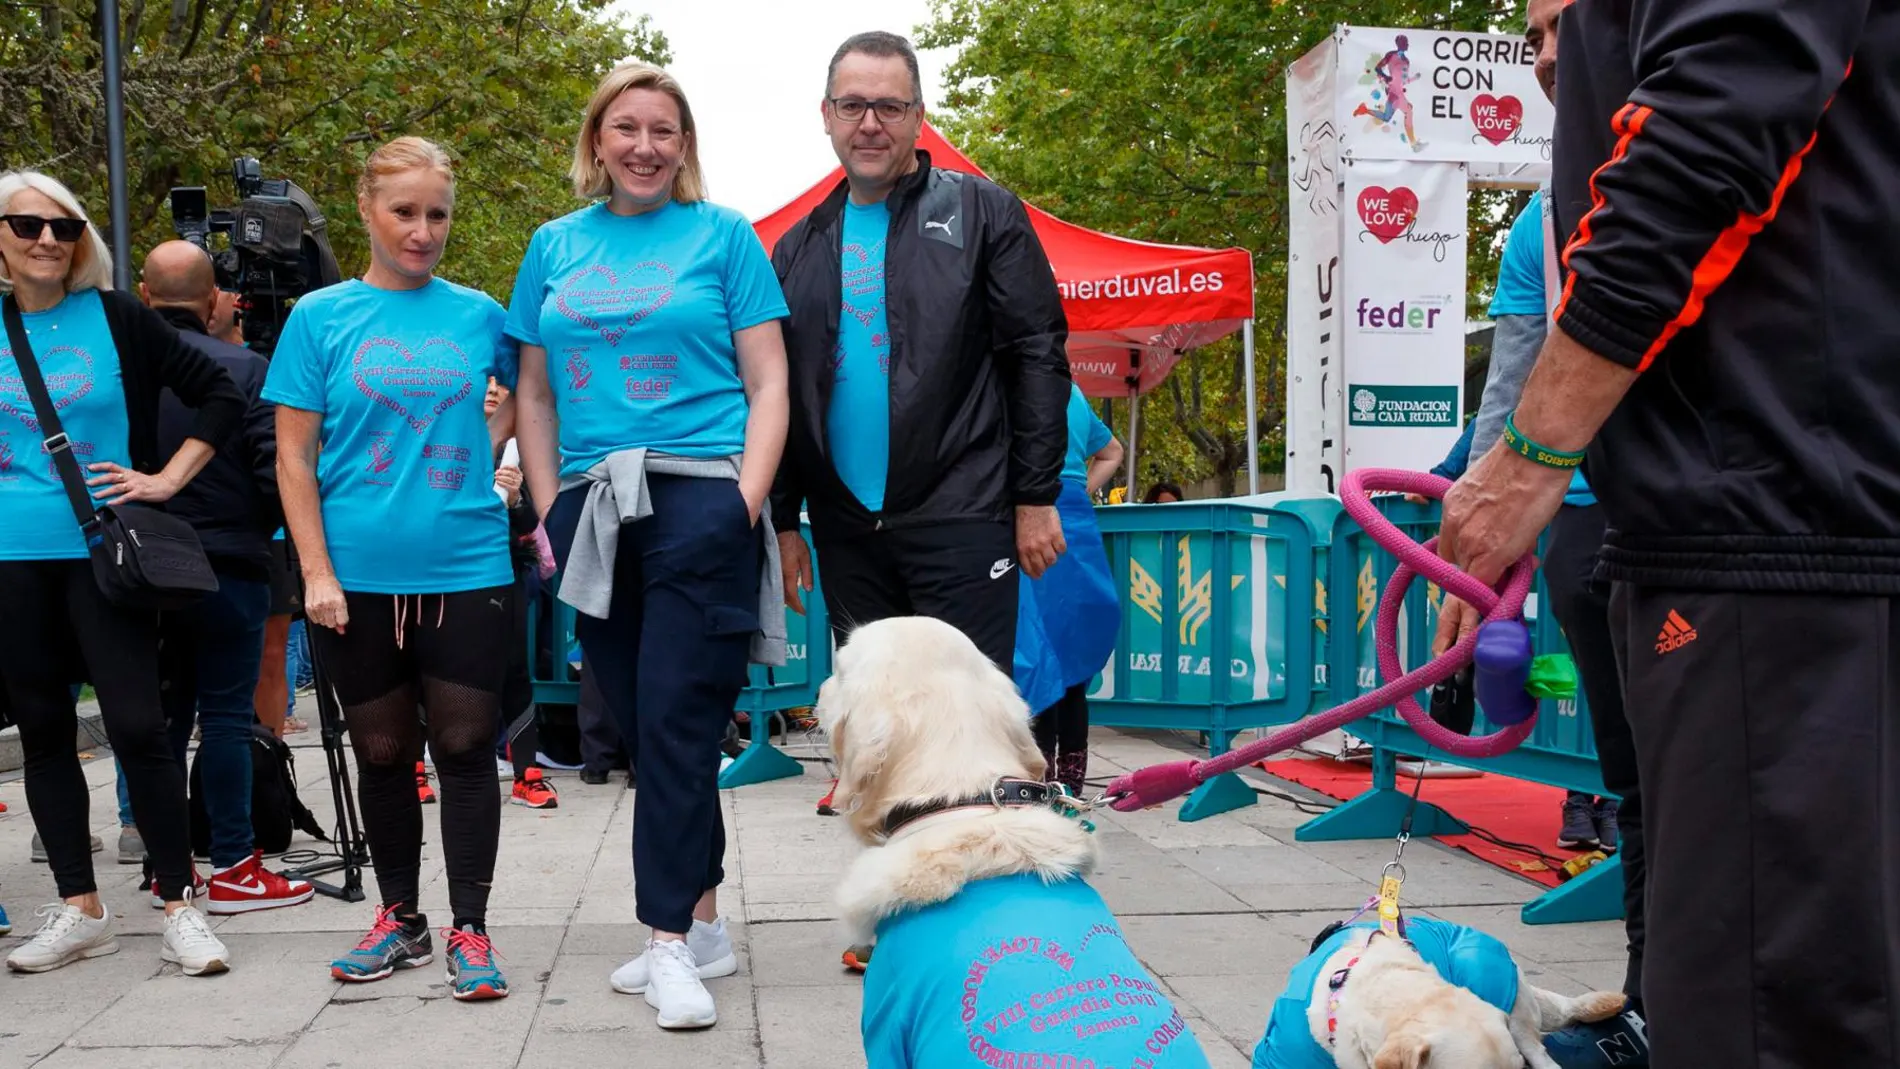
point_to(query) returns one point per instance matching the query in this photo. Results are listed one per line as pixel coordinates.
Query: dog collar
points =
(1006, 792)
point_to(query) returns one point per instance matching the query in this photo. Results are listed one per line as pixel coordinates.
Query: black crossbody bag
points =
(142, 558)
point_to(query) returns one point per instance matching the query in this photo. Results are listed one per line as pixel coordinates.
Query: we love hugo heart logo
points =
(597, 299)
(1387, 213)
(419, 384)
(1496, 118)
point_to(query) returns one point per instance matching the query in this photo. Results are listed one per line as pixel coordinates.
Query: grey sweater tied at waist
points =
(617, 494)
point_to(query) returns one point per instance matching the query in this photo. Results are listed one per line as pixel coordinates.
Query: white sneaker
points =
(190, 945)
(66, 936)
(504, 770)
(675, 989)
(708, 942)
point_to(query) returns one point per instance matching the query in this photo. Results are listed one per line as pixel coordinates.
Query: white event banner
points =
(1403, 312)
(1316, 411)
(1441, 95)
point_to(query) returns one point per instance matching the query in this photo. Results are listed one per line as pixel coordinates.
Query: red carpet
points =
(1510, 809)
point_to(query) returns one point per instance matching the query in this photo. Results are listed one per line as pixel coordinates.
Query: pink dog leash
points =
(1500, 645)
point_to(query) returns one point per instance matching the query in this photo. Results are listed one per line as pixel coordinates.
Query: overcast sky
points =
(754, 71)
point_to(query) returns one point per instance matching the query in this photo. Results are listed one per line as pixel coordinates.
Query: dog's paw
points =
(1600, 1005)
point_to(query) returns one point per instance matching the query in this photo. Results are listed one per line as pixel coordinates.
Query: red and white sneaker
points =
(198, 889)
(534, 791)
(248, 886)
(423, 790)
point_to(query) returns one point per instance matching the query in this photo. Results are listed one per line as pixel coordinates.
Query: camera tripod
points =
(352, 850)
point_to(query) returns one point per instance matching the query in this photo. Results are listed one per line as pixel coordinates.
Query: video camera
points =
(278, 248)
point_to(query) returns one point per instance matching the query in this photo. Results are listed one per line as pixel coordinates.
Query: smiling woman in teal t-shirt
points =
(651, 415)
(386, 473)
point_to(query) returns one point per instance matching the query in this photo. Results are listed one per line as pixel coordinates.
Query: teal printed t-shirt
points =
(73, 347)
(1087, 435)
(1520, 291)
(1464, 956)
(858, 423)
(405, 467)
(637, 315)
(1013, 971)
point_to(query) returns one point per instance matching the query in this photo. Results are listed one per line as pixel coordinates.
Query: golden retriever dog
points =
(1363, 1000)
(991, 947)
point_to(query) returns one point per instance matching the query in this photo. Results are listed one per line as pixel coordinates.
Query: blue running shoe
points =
(390, 945)
(473, 976)
(1622, 1042)
(6, 925)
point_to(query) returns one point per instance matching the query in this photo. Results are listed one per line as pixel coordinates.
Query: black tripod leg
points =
(352, 850)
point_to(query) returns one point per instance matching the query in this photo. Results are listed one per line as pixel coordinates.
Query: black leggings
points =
(446, 653)
(1062, 734)
(55, 629)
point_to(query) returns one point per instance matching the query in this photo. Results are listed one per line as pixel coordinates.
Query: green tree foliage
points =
(1165, 120)
(310, 87)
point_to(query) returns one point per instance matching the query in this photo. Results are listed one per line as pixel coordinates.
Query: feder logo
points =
(1387, 213)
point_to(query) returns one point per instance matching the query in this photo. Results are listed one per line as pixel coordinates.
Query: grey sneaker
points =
(710, 945)
(66, 936)
(1580, 826)
(1605, 818)
(131, 846)
(38, 853)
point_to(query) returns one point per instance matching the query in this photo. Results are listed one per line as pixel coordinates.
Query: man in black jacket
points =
(929, 375)
(211, 653)
(1724, 353)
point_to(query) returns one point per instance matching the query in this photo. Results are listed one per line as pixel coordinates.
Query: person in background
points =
(533, 561)
(651, 416)
(212, 652)
(273, 699)
(929, 377)
(1077, 599)
(1161, 493)
(385, 469)
(107, 357)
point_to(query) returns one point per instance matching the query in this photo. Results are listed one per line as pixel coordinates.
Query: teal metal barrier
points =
(768, 691)
(1242, 614)
(1561, 750)
(1216, 631)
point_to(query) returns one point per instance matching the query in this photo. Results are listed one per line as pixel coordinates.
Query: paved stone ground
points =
(1218, 909)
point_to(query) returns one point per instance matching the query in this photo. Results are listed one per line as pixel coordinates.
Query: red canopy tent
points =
(1134, 307)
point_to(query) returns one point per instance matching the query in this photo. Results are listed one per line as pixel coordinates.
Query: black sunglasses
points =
(29, 227)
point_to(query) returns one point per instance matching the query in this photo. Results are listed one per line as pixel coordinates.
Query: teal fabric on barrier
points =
(1076, 597)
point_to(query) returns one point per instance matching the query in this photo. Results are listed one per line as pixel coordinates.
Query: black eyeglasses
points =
(852, 109)
(29, 227)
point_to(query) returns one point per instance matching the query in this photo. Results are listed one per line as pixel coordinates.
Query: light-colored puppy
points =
(989, 941)
(1396, 1011)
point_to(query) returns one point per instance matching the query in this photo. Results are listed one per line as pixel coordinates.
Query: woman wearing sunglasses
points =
(105, 357)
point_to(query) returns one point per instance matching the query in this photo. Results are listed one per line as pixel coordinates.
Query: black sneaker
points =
(1580, 824)
(1605, 818)
(593, 777)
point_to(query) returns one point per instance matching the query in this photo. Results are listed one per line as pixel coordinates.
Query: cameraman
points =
(212, 652)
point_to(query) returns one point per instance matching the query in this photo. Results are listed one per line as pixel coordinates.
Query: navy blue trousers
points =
(670, 660)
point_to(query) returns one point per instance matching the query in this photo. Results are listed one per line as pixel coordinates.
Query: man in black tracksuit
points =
(211, 653)
(1728, 351)
(929, 376)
